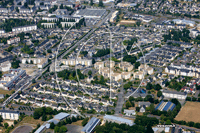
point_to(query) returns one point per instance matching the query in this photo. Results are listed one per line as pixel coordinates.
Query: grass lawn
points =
(5, 92)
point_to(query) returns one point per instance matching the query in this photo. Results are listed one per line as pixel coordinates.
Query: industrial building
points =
(165, 106)
(119, 120)
(90, 126)
(56, 119)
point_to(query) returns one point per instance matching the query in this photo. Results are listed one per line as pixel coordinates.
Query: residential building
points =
(24, 28)
(10, 115)
(129, 112)
(13, 40)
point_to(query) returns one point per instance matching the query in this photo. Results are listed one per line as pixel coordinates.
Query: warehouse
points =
(165, 106)
(90, 126)
(119, 120)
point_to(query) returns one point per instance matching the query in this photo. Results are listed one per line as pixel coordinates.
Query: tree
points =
(33, 81)
(188, 98)
(1, 74)
(52, 125)
(6, 125)
(168, 122)
(149, 129)
(15, 64)
(85, 121)
(137, 64)
(90, 73)
(63, 129)
(44, 117)
(49, 51)
(93, 61)
(15, 122)
(159, 94)
(157, 87)
(91, 2)
(100, 3)
(56, 129)
(149, 86)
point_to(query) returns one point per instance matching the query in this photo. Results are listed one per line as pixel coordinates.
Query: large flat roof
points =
(91, 12)
(119, 119)
(89, 127)
(61, 116)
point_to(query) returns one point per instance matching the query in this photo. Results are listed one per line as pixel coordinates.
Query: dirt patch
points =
(127, 22)
(23, 129)
(189, 112)
(79, 123)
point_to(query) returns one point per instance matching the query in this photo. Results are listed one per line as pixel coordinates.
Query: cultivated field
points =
(189, 112)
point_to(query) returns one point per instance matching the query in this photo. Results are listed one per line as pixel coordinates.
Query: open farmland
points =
(189, 112)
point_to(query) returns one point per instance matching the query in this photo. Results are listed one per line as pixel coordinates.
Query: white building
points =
(66, 24)
(183, 21)
(129, 112)
(2, 32)
(13, 40)
(174, 94)
(50, 19)
(5, 66)
(24, 28)
(114, 16)
(73, 62)
(41, 62)
(3, 10)
(119, 120)
(10, 115)
(48, 25)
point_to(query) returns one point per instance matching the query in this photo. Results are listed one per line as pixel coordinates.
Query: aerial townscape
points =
(99, 66)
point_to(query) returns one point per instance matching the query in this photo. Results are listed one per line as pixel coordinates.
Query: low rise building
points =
(119, 120)
(13, 40)
(24, 28)
(10, 115)
(90, 126)
(174, 94)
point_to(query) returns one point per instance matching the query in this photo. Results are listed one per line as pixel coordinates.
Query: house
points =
(129, 112)
(143, 108)
(10, 115)
(146, 104)
(90, 126)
